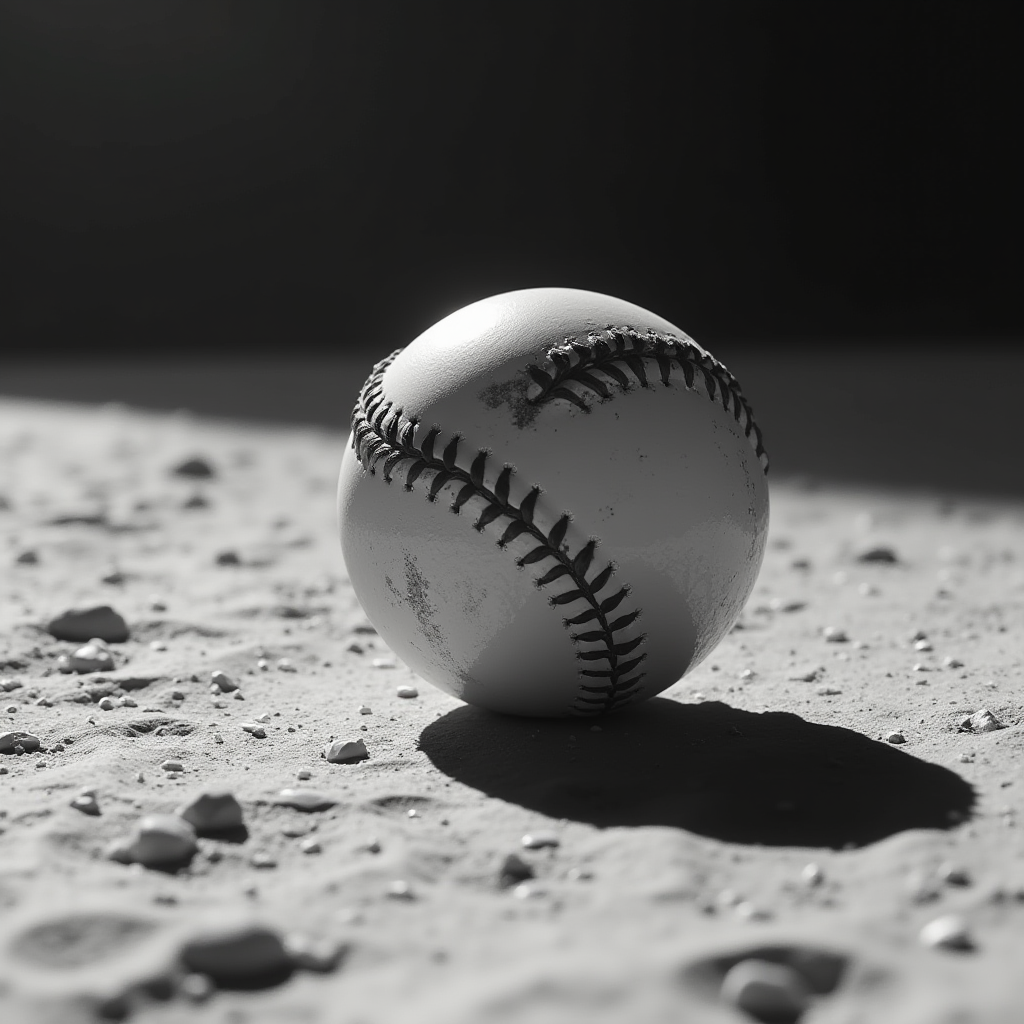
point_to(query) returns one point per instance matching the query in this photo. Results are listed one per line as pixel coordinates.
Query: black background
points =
(234, 176)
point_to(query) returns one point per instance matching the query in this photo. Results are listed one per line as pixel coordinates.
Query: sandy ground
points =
(684, 831)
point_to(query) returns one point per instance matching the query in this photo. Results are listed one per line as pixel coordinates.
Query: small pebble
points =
(310, 846)
(196, 988)
(747, 673)
(304, 799)
(303, 774)
(867, 590)
(263, 718)
(539, 840)
(514, 870)
(172, 766)
(878, 553)
(812, 875)
(157, 645)
(92, 657)
(407, 691)
(261, 859)
(262, 664)
(127, 702)
(805, 675)
(834, 635)
(159, 840)
(953, 875)
(222, 681)
(947, 932)
(86, 802)
(195, 468)
(285, 665)
(345, 751)
(27, 558)
(255, 730)
(8, 685)
(365, 709)
(400, 890)
(895, 737)
(383, 663)
(827, 691)
(227, 557)
(950, 662)
(106, 704)
(11, 709)
(307, 955)
(923, 645)
(766, 990)
(214, 810)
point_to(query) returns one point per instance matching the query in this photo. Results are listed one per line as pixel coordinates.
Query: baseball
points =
(553, 503)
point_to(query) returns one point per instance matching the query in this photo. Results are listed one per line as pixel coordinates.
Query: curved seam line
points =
(380, 431)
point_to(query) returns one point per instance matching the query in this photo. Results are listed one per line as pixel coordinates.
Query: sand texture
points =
(763, 808)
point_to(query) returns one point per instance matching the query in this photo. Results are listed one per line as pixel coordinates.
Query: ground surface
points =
(684, 827)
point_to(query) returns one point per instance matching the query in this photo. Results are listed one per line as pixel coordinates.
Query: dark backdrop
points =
(231, 175)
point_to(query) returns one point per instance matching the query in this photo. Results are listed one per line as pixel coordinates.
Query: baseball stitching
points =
(382, 435)
(590, 365)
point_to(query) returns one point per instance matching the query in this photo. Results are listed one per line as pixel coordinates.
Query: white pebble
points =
(342, 751)
(383, 663)
(407, 691)
(812, 874)
(834, 635)
(172, 766)
(157, 645)
(923, 645)
(127, 702)
(950, 662)
(264, 718)
(285, 665)
(539, 840)
(255, 730)
(948, 932)
(263, 664)
(106, 704)
(159, 840)
(400, 890)
(765, 990)
(310, 846)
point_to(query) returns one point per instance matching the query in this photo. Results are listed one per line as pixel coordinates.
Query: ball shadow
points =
(737, 776)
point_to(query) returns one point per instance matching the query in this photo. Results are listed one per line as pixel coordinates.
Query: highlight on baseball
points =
(553, 503)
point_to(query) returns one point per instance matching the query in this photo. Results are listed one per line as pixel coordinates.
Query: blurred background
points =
(237, 206)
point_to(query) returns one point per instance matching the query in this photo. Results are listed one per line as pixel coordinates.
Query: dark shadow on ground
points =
(771, 779)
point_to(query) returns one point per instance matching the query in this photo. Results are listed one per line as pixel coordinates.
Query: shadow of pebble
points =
(771, 778)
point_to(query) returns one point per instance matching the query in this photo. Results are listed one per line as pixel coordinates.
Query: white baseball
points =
(552, 503)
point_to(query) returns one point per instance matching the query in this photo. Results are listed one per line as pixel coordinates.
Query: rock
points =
(539, 840)
(92, 657)
(895, 737)
(407, 691)
(86, 802)
(345, 751)
(158, 841)
(11, 740)
(172, 766)
(304, 799)
(212, 811)
(878, 553)
(195, 468)
(982, 721)
(86, 624)
(947, 932)
(766, 991)
(307, 955)
(222, 681)
(27, 558)
(238, 956)
(227, 557)
(513, 871)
